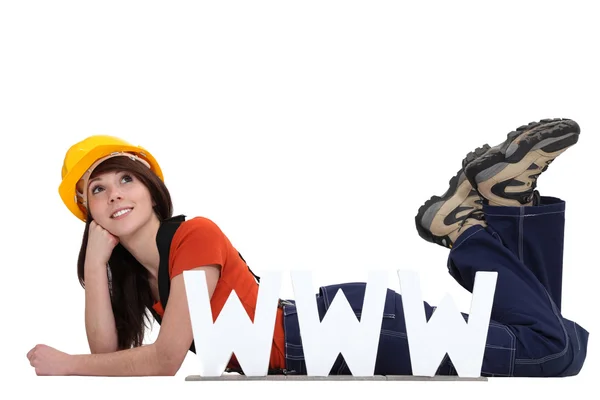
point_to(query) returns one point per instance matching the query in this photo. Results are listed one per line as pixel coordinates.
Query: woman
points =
(134, 251)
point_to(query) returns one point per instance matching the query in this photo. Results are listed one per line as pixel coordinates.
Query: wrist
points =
(73, 365)
(94, 265)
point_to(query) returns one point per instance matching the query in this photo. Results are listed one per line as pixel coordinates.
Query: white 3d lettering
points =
(233, 332)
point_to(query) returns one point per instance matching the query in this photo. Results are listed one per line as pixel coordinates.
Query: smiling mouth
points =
(121, 213)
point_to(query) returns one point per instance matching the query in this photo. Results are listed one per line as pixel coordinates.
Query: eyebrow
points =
(98, 178)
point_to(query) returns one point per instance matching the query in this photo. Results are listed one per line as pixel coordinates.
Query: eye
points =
(124, 179)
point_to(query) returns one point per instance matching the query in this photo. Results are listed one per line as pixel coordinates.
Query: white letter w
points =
(233, 331)
(340, 331)
(447, 331)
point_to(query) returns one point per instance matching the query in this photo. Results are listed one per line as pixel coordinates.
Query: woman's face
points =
(119, 202)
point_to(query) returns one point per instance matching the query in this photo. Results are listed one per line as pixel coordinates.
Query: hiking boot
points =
(442, 218)
(507, 174)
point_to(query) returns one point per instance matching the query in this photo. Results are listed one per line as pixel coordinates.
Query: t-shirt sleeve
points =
(197, 242)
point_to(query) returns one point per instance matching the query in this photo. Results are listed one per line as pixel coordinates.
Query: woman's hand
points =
(100, 243)
(49, 361)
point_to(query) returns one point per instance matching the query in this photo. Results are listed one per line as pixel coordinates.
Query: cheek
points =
(141, 196)
(95, 214)
(95, 209)
(92, 203)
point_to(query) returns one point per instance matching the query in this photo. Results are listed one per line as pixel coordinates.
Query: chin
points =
(123, 233)
(123, 228)
(127, 226)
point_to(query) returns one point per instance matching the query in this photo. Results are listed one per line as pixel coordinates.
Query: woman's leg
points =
(535, 234)
(520, 236)
(505, 177)
(528, 336)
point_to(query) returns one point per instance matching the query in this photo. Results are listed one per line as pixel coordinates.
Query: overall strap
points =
(164, 237)
(253, 274)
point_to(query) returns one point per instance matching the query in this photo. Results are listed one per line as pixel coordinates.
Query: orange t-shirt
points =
(198, 242)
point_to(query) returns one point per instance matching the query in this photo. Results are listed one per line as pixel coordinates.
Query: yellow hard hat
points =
(81, 159)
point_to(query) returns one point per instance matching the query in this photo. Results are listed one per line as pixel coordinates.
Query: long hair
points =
(127, 279)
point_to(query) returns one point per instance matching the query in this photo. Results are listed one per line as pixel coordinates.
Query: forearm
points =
(99, 318)
(138, 361)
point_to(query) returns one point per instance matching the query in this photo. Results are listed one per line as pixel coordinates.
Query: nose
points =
(115, 194)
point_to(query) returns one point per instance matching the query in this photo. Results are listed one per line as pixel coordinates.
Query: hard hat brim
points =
(67, 188)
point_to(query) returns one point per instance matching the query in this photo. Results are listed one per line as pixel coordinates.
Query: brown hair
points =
(128, 280)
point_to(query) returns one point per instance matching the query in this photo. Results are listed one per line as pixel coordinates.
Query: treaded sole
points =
(424, 231)
(535, 133)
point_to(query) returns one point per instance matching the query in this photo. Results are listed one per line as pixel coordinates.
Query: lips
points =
(121, 212)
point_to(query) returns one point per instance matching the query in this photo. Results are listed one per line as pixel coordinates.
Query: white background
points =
(309, 131)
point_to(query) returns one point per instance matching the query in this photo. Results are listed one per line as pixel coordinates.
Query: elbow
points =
(167, 368)
(170, 370)
(168, 361)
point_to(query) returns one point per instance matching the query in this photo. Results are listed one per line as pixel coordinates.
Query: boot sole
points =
(549, 136)
(429, 209)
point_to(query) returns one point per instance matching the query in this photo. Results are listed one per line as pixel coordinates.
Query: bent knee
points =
(557, 358)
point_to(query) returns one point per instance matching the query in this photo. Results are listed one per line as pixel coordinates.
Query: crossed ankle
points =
(534, 197)
(470, 222)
